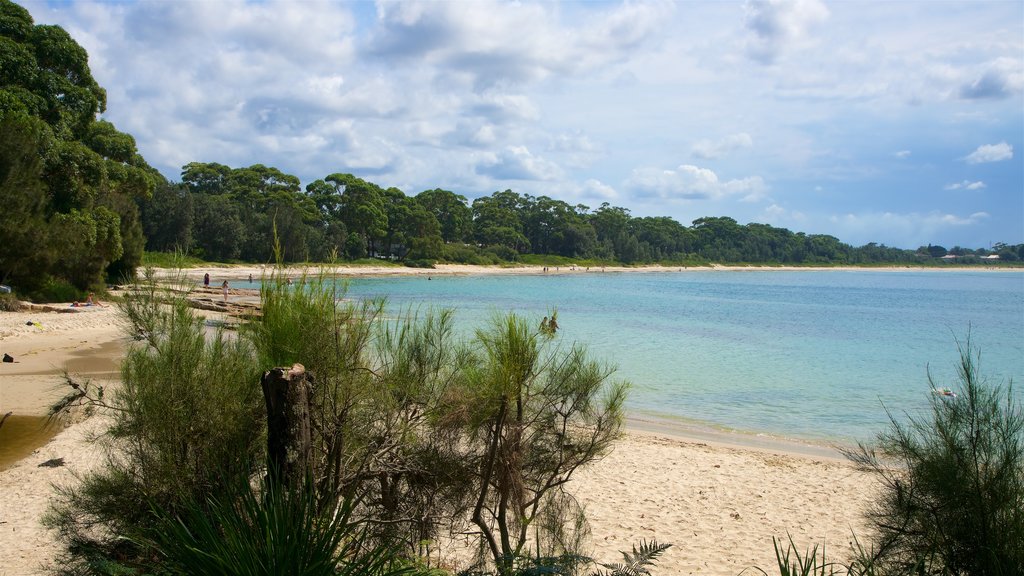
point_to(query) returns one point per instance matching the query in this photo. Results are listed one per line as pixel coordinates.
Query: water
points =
(809, 355)
(20, 435)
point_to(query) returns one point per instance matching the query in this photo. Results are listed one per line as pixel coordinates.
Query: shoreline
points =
(236, 272)
(720, 498)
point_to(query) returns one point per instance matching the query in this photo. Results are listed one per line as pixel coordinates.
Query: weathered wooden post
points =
(288, 394)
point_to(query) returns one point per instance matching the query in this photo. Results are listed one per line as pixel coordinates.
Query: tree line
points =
(221, 213)
(81, 204)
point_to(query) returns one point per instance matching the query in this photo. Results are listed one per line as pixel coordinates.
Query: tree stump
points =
(288, 395)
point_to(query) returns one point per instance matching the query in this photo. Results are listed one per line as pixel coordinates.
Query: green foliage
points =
(172, 260)
(638, 562)
(534, 414)
(791, 562)
(187, 419)
(267, 530)
(54, 290)
(953, 499)
(24, 231)
(68, 180)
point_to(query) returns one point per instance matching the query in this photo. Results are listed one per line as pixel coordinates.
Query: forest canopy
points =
(81, 204)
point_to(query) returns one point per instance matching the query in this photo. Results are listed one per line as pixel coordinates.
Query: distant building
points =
(950, 257)
(991, 257)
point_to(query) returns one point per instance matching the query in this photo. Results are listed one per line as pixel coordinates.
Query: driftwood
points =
(288, 393)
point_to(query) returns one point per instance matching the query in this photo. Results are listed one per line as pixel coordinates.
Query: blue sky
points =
(893, 122)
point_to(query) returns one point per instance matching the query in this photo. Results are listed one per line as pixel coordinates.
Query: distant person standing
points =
(206, 280)
(224, 287)
(250, 278)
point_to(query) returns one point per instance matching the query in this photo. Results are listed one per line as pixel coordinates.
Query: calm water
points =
(808, 355)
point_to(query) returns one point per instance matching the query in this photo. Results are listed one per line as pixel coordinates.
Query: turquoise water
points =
(807, 355)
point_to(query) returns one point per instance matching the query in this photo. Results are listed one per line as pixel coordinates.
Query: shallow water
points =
(20, 435)
(812, 355)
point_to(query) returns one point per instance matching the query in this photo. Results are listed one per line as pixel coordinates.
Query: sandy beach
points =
(717, 501)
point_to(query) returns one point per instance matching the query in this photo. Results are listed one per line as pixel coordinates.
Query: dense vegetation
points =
(221, 214)
(414, 434)
(81, 205)
(69, 183)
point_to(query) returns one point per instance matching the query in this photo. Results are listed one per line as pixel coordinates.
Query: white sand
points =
(718, 505)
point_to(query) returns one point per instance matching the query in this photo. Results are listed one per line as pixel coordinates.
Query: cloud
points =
(690, 182)
(1002, 78)
(902, 154)
(990, 153)
(516, 163)
(706, 149)
(907, 230)
(502, 108)
(965, 185)
(491, 44)
(779, 216)
(778, 25)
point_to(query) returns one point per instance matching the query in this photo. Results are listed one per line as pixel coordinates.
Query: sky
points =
(894, 122)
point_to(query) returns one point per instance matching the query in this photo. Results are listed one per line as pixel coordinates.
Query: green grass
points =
(171, 260)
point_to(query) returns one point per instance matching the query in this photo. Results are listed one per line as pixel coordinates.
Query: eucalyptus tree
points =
(497, 220)
(361, 206)
(451, 211)
(168, 218)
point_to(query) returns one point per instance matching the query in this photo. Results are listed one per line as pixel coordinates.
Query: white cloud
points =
(965, 185)
(902, 154)
(896, 229)
(779, 216)
(706, 149)
(1001, 78)
(491, 44)
(517, 163)
(689, 182)
(778, 25)
(990, 153)
(596, 189)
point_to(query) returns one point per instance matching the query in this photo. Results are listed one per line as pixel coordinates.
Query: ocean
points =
(817, 356)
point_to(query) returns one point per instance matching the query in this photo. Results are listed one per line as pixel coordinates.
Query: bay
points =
(804, 355)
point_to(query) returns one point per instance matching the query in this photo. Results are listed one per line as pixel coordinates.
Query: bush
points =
(186, 419)
(422, 263)
(955, 502)
(265, 530)
(55, 290)
(9, 303)
(502, 252)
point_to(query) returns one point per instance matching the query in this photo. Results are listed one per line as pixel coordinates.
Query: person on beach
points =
(544, 325)
(250, 278)
(92, 301)
(224, 287)
(552, 325)
(206, 280)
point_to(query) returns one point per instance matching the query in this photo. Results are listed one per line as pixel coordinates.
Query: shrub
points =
(9, 303)
(186, 419)
(265, 529)
(953, 499)
(421, 263)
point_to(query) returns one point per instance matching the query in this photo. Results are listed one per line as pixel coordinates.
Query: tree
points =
(361, 208)
(453, 215)
(534, 414)
(167, 218)
(24, 229)
(953, 482)
(89, 169)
